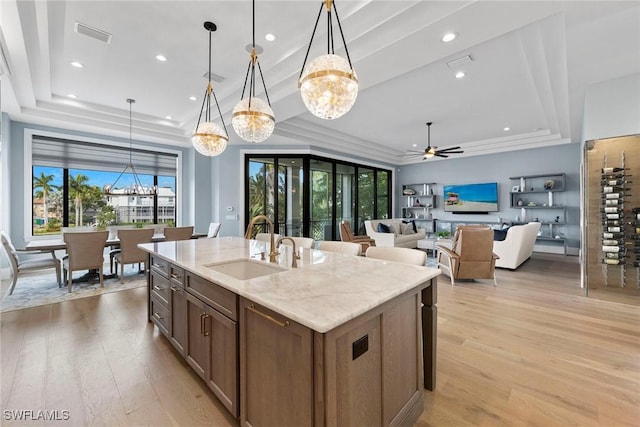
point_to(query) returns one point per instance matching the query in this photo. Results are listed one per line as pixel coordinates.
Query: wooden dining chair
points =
(129, 251)
(178, 233)
(22, 261)
(85, 251)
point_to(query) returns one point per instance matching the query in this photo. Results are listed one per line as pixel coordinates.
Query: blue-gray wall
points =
(498, 168)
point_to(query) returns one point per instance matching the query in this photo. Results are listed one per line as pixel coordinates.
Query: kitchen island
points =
(337, 340)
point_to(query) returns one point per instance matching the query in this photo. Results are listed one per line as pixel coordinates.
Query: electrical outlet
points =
(359, 347)
(231, 217)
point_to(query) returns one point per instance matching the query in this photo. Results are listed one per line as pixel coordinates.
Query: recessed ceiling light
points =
(161, 58)
(168, 117)
(415, 145)
(507, 129)
(460, 74)
(449, 37)
(77, 64)
(193, 98)
(72, 96)
(269, 37)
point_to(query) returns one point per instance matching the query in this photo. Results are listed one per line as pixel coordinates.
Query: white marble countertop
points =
(326, 290)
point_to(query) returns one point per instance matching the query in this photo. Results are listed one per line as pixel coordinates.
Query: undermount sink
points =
(245, 269)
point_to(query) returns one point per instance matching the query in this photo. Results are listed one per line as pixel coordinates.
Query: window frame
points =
(28, 135)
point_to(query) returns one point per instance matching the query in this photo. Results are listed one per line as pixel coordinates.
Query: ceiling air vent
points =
(94, 33)
(214, 77)
(457, 63)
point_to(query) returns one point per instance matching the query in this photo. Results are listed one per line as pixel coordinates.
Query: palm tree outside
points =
(78, 189)
(43, 186)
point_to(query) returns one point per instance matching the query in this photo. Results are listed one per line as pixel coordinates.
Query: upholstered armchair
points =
(471, 256)
(346, 235)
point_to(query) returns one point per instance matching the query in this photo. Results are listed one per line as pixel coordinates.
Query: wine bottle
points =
(615, 229)
(606, 235)
(613, 216)
(612, 209)
(614, 189)
(611, 202)
(610, 176)
(616, 181)
(614, 255)
(613, 170)
(615, 195)
(613, 261)
(613, 242)
(610, 248)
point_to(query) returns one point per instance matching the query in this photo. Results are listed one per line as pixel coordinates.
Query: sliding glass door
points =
(309, 195)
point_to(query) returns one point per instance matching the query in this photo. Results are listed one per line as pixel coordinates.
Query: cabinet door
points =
(196, 346)
(276, 369)
(178, 325)
(222, 373)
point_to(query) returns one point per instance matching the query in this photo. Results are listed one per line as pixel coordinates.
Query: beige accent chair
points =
(113, 235)
(404, 255)
(346, 235)
(32, 260)
(214, 229)
(178, 233)
(301, 242)
(341, 247)
(129, 251)
(517, 247)
(472, 255)
(85, 251)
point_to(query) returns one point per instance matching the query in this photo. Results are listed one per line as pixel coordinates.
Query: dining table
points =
(57, 244)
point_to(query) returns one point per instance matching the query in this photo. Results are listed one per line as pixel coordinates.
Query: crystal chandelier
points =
(253, 119)
(209, 139)
(137, 187)
(328, 84)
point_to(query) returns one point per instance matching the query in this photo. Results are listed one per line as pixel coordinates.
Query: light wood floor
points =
(531, 352)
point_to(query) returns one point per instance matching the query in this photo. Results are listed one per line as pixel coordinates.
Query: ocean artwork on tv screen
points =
(471, 198)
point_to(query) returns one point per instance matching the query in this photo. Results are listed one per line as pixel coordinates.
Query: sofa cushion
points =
(500, 235)
(408, 228)
(413, 226)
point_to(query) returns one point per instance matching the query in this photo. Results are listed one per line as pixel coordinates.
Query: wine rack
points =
(616, 230)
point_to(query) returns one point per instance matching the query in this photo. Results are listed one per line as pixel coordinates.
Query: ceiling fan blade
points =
(441, 155)
(450, 148)
(451, 152)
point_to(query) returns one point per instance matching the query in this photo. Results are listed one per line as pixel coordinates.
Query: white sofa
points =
(517, 247)
(395, 238)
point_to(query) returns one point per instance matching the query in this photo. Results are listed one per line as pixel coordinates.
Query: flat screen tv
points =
(471, 198)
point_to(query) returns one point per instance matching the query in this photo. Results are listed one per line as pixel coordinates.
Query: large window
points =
(69, 177)
(310, 195)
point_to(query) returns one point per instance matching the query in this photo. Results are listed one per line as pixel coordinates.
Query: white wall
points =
(612, 108)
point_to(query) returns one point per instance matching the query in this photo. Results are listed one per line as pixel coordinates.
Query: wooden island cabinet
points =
(294, 349)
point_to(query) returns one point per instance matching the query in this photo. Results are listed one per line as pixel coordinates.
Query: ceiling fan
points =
(430, 151)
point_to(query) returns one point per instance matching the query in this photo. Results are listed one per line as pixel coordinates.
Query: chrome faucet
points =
(295, 256)
(273, 253)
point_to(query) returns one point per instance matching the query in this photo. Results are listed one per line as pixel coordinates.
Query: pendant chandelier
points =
(253, 119)
(328, 84)
(209, 139)
(137, 187)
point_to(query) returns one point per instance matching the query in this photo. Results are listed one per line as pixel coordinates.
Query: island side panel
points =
(372, 366)
(429, 333)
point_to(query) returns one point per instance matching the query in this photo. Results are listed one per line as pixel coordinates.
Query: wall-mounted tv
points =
(471, 198)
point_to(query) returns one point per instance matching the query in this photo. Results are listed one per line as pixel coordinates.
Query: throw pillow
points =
(413, 225)
(382, 228)
(407, 228)
(500, 234)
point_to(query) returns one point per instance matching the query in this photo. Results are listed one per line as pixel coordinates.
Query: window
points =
(68, 180)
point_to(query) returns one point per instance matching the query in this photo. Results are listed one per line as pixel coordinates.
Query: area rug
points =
(41, 289)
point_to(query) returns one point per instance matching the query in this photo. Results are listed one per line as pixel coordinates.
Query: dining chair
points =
(342, 247)
(266, 237)
(301, 242)
(214, 229)
(113, 235)
(85, 251)
(22, 261)
(129, 251)
(346, 235)
(178, 233)
(404, 255)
